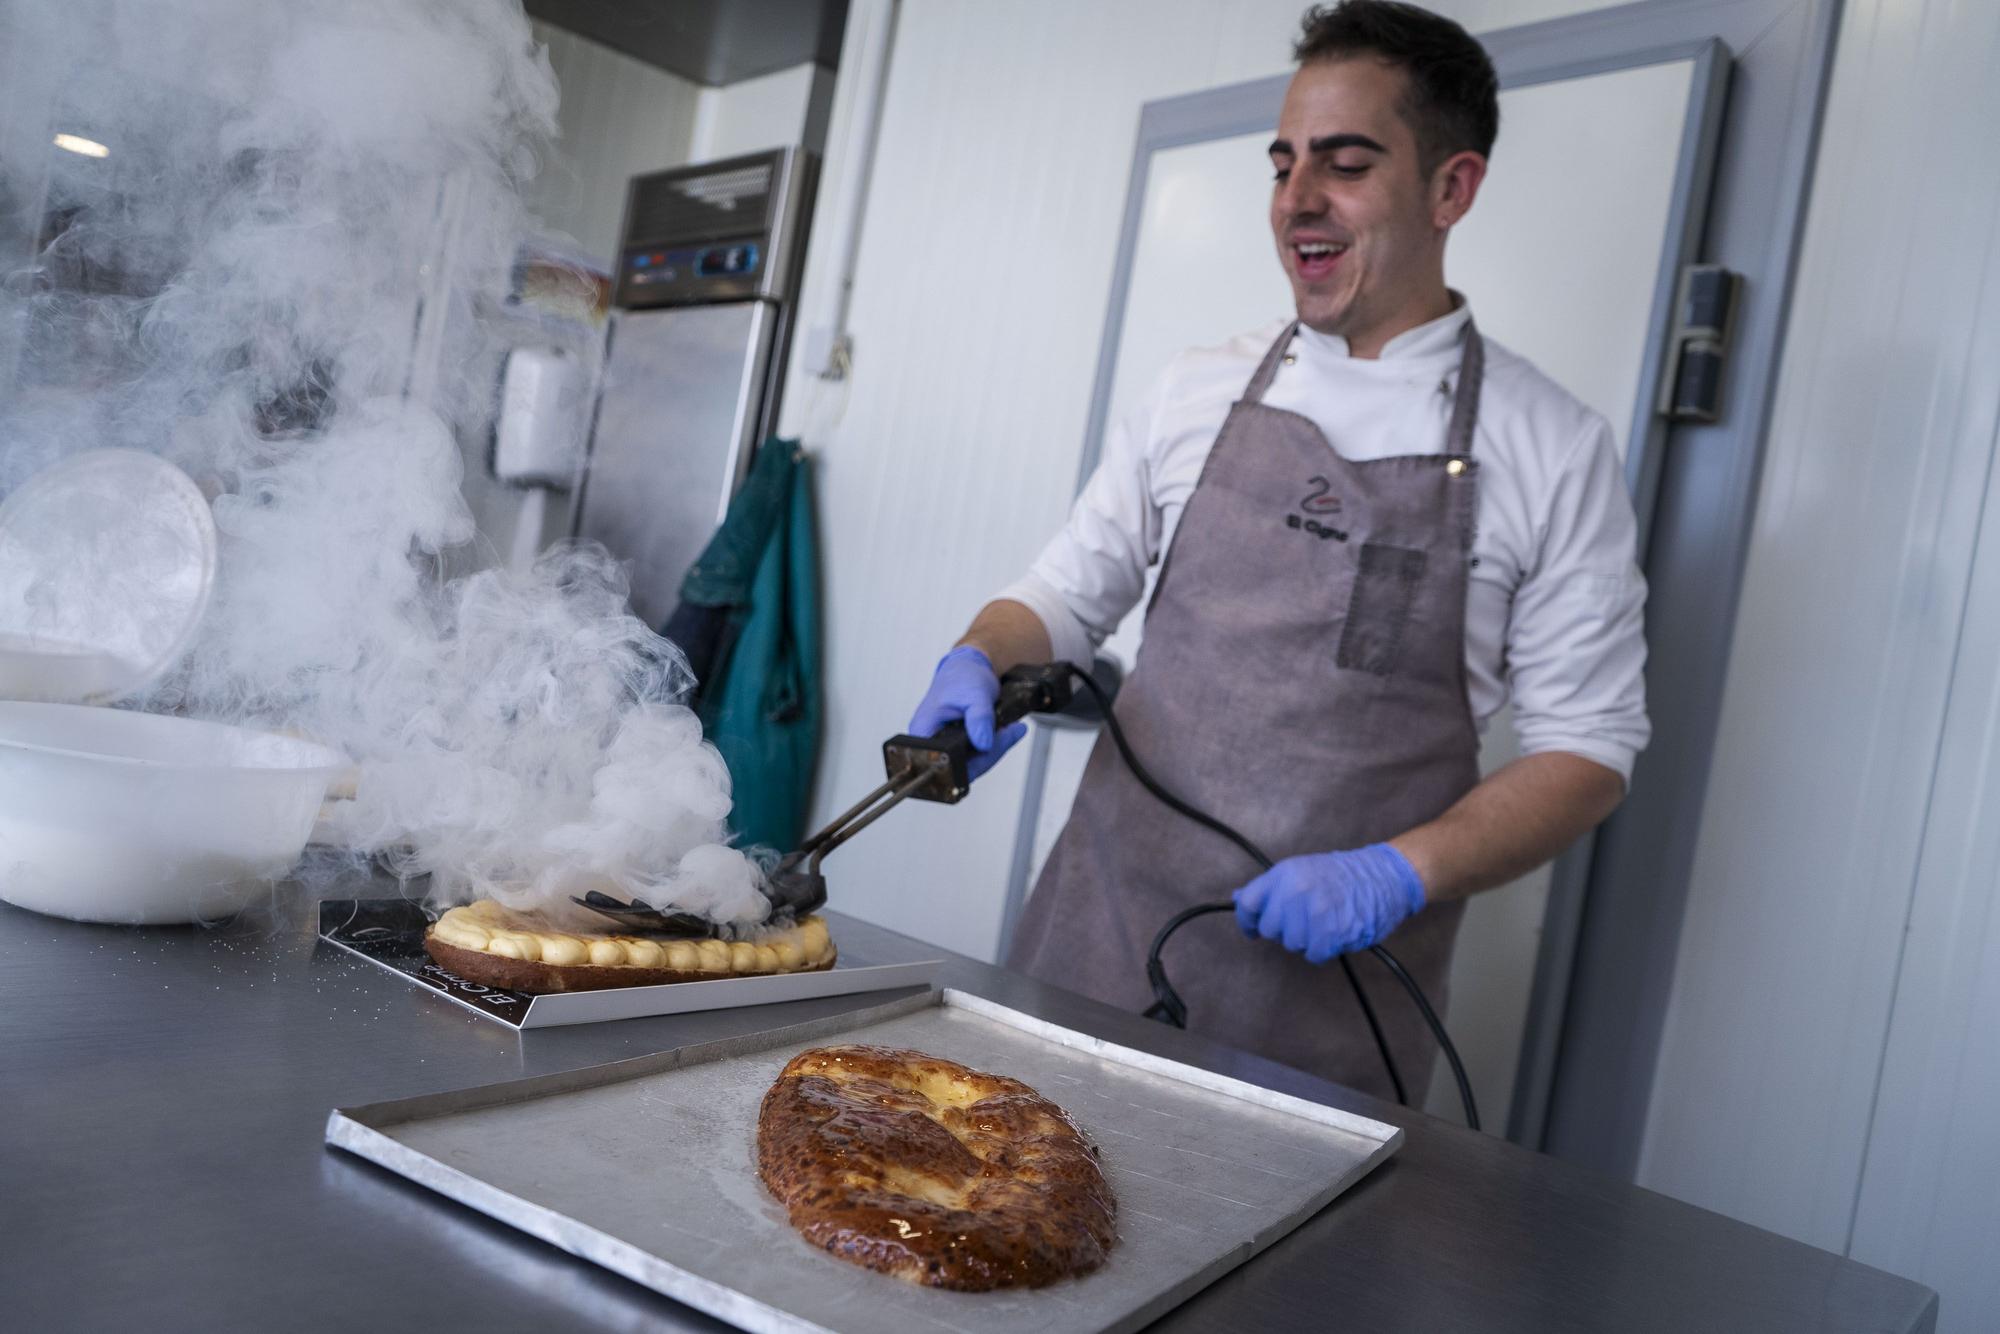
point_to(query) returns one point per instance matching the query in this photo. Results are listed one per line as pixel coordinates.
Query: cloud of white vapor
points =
(279, 275)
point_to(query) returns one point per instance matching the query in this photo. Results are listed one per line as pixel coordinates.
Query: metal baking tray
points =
(648, 1167)
(390, 932)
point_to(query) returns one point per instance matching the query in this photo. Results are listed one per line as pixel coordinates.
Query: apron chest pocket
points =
(1385, 590)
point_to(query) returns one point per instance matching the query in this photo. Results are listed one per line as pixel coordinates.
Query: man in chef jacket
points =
(1373, 528)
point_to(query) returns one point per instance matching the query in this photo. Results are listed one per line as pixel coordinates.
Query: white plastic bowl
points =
(107, 815)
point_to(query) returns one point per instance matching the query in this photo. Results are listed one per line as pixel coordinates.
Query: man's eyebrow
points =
(1328, 143)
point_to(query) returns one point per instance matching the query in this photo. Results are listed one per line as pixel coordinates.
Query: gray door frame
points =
(1612, 926)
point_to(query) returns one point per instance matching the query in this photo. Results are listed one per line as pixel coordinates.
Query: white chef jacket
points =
(1554, 607)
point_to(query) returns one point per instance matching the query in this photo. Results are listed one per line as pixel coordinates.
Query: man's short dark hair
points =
(1453, 103)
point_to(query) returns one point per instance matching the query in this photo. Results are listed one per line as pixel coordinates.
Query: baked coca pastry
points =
(933, 1172)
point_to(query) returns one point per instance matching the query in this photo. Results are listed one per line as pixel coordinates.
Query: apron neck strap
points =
(1465, 404)
(1267, 369)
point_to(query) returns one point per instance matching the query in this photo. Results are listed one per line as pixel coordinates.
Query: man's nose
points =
(1297, 199)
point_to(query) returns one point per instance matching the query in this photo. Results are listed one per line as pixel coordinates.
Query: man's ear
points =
(1454, 185)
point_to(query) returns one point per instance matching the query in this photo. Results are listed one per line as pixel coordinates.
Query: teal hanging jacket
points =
(756, 588)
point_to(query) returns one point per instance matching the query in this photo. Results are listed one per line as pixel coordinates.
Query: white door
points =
(1561, 259)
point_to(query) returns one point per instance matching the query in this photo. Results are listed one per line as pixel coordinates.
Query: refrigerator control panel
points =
(716, 232)
(671, 276)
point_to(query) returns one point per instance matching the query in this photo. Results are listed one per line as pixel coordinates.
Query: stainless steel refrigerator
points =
(707, 279)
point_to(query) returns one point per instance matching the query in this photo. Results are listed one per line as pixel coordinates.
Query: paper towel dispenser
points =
(544, 418)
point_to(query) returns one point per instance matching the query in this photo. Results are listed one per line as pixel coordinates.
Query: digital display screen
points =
(726, 261)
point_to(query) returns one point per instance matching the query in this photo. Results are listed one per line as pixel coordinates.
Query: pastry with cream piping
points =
(497, 946)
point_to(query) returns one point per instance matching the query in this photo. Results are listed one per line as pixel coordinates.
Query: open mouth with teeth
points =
(1316, 259)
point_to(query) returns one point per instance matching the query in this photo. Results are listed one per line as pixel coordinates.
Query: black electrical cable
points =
(1168, 1006)
(1381, 1042)
(1402, 975)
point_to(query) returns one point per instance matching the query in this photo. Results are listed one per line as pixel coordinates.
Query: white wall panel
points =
(618, 117)
(951, 454)
(1928, 1208)
(1812, 858)
(751, 115)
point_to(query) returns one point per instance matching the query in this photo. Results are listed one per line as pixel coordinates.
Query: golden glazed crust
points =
(935, 1173)
(496, 946)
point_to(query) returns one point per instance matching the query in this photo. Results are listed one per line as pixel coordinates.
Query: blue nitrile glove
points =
(1326, 904)
(964, 686)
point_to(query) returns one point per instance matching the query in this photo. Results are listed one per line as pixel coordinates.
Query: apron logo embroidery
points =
(1315, 527)
(1317, 501)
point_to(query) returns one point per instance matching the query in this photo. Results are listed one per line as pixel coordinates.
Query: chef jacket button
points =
(1455, 467)
(1291, 358)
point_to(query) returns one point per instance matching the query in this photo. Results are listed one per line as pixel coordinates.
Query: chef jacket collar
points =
(1439, 336)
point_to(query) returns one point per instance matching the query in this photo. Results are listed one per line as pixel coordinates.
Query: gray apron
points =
(1302, 678)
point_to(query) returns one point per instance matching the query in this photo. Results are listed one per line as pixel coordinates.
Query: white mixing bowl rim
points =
(332, 761)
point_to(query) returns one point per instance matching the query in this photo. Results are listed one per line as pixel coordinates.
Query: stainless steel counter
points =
(163, 1093)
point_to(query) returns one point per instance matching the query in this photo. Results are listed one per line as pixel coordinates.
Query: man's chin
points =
(1322, 312)
(1324, 318)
